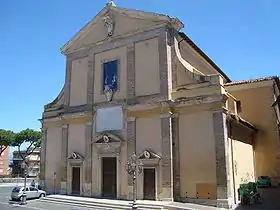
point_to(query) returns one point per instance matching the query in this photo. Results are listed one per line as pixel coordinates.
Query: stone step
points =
(105, 204)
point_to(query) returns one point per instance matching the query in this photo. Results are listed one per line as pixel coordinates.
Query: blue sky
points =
(242, 37)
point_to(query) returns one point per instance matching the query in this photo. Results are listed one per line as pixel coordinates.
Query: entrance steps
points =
(107, 204)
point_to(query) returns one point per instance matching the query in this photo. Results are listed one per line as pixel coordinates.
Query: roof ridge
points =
(260, 79)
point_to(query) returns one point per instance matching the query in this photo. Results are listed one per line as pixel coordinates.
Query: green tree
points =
(7, 138)
(28, 137)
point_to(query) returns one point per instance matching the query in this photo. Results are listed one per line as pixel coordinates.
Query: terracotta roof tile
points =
(252, 80)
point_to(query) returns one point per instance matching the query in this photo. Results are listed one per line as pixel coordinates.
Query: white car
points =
(31, 192)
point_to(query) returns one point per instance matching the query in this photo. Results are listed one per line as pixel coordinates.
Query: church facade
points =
(135, 84)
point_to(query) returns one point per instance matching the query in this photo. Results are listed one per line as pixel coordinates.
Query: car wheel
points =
(42, 195)
(20, 198)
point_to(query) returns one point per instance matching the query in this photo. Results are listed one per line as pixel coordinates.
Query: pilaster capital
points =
(65, 126)
(44, 129)
(131, 119)
(175, 115)
(169, 115)
(89, 123)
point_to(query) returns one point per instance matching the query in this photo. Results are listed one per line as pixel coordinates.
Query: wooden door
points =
(149, 184)
(109, 177)
(76, 180)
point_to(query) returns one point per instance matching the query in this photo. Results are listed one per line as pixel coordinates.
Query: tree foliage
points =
(30, 137)
(7, 138)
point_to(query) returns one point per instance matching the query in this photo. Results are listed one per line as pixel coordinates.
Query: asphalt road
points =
(6, 204)
(271, 200)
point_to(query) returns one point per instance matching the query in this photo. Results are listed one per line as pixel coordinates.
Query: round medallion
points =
(74, 155)
(147, 154)
(105, 139)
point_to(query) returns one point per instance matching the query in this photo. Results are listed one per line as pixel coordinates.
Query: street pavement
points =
(6, 204)
(271, 200)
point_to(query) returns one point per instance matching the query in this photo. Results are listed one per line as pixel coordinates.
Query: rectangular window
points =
(110, 75)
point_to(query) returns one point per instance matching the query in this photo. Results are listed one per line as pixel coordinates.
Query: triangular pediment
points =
(148, 154)
(121, 21)
(106, 138)
(75, 156)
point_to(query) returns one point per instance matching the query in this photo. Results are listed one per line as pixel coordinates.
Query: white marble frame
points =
(70, 166)
(99, 171)
(140, 182)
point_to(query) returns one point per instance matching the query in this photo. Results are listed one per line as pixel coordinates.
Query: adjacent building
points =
(4, 162)
(33, 161)
(136, 84)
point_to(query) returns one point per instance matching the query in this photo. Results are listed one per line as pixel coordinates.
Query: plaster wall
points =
(53, 158)
(197, 155)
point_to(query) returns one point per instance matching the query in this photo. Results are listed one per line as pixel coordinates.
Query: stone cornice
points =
(130, 13)
(68, 116)
(117, 37)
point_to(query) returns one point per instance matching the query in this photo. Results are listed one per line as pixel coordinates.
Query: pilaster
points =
(90, 79)
(176, 155)
(166, 161)
(163, 65)
(170, 41)
(43, 157)
(130, 54)
(88, 159)
(222, 159)
(64, 155)
(67, 81)
(131, 146)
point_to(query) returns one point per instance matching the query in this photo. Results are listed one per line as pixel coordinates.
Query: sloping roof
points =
(201, 53)
(242, 121)
(276, 78)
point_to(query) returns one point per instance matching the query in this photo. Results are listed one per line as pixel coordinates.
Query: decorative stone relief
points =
(107, 143)
(149, 158)
(109, 24)
(108, 92)
(75, 159)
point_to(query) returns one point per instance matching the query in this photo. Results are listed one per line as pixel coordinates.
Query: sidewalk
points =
(121, 204)
(13, 184)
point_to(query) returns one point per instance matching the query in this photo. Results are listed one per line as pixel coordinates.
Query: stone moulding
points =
(149, 158)
(107, 143)
(188, 101)
(56, 100)
(158, 19)
(75, 159)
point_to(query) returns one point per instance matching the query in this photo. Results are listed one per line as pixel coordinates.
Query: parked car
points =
(264, 181)
(31, 192)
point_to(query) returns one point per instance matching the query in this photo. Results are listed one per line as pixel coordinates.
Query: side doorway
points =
(149, 187)
(76, 175)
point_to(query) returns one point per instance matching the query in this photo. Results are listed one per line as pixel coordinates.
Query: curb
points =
(12, 184)
(111, 205)
(104, 205)
(85, 204)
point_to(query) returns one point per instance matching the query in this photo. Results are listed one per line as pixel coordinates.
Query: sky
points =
(241, 37)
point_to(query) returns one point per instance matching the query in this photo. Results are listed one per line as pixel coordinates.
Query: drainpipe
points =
(232, 161)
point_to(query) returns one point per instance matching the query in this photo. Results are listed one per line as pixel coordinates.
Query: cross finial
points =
(111, 4)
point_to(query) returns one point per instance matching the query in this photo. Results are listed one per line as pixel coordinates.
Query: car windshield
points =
(263, 177)
(16, 189)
